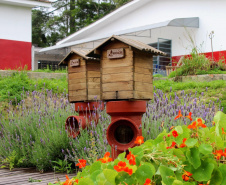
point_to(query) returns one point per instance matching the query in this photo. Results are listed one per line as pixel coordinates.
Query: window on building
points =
(52, 65)
(160, 62)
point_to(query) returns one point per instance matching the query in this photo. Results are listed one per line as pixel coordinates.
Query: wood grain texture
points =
(78, 86)
(143, 87)
(114, 44)
(143, 95)
(138, 77)
(120, 77)
(93, 74)
(79, 75)
(112, 70)
(117, 86)
(121, 95)
(107, 63)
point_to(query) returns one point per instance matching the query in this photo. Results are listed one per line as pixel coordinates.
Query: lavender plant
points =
(162, 110)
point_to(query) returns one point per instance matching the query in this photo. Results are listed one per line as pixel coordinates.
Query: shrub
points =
(188, 155)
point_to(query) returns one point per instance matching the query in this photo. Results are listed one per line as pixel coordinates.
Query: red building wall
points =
(217, 55)
(15, 54)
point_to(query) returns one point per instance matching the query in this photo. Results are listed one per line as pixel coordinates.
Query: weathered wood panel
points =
(124, 69)
(94, 85)
(117, 86)
(80, 68)
(143, 95)
(94, 97)
(123, 77)
(78, 86)
(94, 79)
(73, 76)
(144, 87)
(143, 70)
(107, 63)
(120, 95)
(114, 44)
(93, 74)
(143, 78)
(75, 81)
(93, 65)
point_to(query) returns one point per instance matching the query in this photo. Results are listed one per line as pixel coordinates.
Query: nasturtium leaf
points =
(146, 170)
(220, 118)
(191, 142)
(203, 172)
(179, 154)
(121, 157)
(137, 151)
(159, 139)
(179, 129)
(94, 175)
(95, 166)
(107, 177)
(222, 168)
(193, 157)
(167, 175)
(216, 178)
(177, 182)
(219, 142)
(205, 149)
(189, 183)
(148, 143)
(85, 181)
(124, 177)
(179, 175)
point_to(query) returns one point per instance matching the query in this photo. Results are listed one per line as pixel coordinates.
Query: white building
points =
(165, 24)
(15, 32)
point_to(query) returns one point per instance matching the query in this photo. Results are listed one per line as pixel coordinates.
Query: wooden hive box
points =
(83, 76)
(126, 69)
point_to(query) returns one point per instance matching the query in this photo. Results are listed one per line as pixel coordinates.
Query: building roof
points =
(27, 3)
(134, 43)
(80, 52)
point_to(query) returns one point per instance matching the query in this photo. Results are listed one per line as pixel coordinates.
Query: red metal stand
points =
(88, 112)
(126, 124)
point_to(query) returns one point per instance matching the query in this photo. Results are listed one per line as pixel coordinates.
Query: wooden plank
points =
(143, 70)
(144, 87)
(72, 76)
(81, 92)
(115, 44)
(124, 69)
(117, 86)
(122, 95)
(75, 81)
(123, 77)
(93, 65)
(127, 52)
(78, 86)
(143, 78)
(77, 69)
(94, 79)
(94, 85)
(143, 95)
(73, 99)
(143, 60)
(94, 91)
(92, 74)
(107, 63)
(93, 97)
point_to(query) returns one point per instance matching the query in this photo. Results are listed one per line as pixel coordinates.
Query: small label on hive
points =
(74, 62)
(115, 53)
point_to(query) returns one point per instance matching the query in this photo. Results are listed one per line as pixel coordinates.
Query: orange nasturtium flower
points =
(183, 143)
(172, 145)
(106, 158)
(68, 181)
(200, 123)
(128, 170)
(218, 154)
(174, 133)
(139, 140)
(189, 116)
(223, 132)
(82, 163)
(147, 182)
(131, 158)
(179, 115)
(193, 125)
(186, 176)
(120, 167)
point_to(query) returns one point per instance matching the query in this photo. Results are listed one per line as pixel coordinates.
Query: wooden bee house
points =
(126, 69)
(83, 76)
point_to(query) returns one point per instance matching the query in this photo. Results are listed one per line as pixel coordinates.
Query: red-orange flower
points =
(68, 181)
(106, 158)
(120, 167)
(131, 158)
(186, 176)
(223, 132)
(172, 145)
(200, 124)
(174, 133)
(147, 182)
(189, 116)
(179, 115)
(82, 163)
(139, 140)
(128, 170)
(218, 154)
(193, 125)
(183, 143)
(76, 180)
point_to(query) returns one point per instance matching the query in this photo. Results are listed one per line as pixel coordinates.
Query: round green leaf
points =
(167, 175)
(95, 166)
(216, 177)
(193, 157)
(203, 172)
(177, 182)
(124, 177)
(223, 172)
(144, 171)
(85, 181)
(191, 142)
(107, 177)
(205, 149)
(179, 129)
